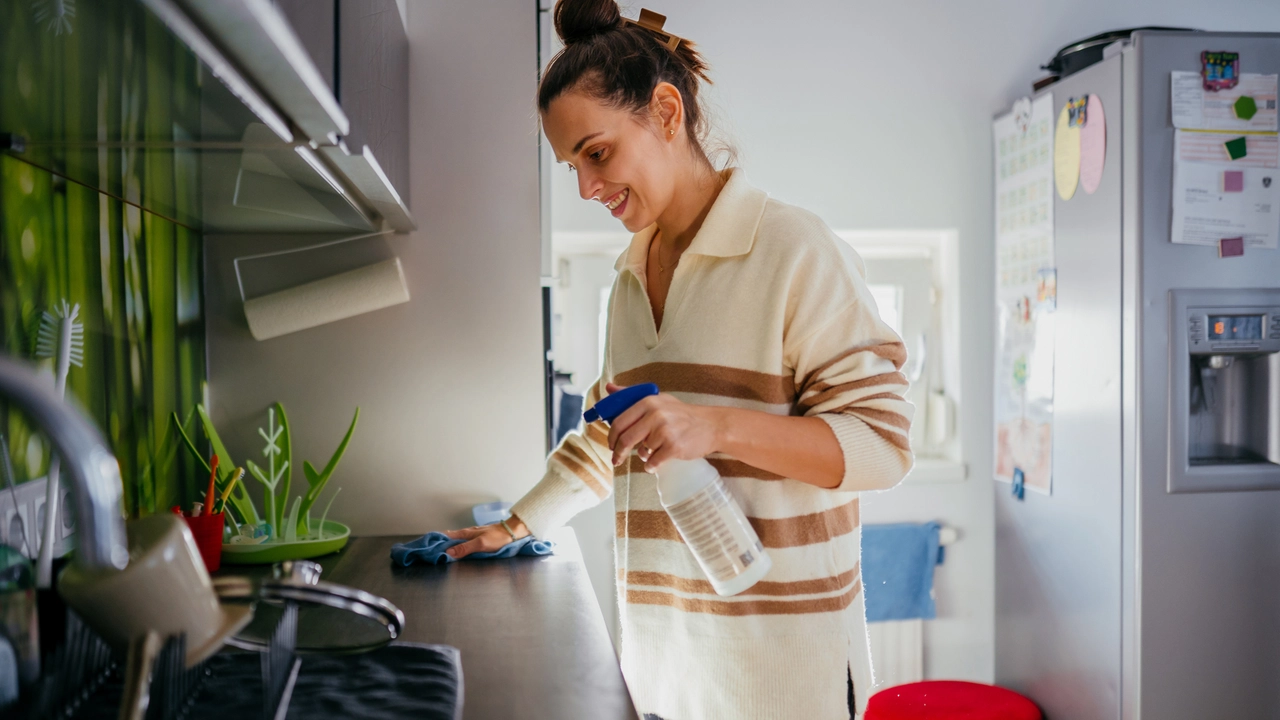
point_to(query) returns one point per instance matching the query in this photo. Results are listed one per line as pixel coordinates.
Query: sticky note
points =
(1231, 247)
(1233, 181)
(1093, 146)
(1245, 107)
(1236, 149)
(1066, 155)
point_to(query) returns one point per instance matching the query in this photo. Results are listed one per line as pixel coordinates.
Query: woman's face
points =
(622, 160)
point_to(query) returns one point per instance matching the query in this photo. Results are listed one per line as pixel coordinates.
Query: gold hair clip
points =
(653, 22)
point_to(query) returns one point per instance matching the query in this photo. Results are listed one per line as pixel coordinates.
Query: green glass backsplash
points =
(92, 92)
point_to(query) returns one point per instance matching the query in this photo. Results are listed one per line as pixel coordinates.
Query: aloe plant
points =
(239, 498)
(317, 480)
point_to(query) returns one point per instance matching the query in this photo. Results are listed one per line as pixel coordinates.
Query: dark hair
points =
(620, 63)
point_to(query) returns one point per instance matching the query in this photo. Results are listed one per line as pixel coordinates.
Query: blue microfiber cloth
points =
(897, 570)
(430, 549)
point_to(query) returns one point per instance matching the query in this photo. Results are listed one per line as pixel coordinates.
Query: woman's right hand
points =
(485, 538)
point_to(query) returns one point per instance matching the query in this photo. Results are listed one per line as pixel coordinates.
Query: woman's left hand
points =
(661, 428)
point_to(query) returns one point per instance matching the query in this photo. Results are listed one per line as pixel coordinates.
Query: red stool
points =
(950, 700)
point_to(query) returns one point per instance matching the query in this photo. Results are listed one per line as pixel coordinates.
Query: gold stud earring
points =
(671, 132)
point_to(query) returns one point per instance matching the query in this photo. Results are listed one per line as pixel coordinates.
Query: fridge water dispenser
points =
(1225, 404)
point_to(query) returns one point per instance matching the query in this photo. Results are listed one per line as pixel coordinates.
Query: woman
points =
(756, 323)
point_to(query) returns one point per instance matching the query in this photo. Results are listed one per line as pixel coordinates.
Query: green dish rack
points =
(335, 538)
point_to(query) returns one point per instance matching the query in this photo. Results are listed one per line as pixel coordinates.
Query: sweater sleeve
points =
(848, 366)
(579, 476)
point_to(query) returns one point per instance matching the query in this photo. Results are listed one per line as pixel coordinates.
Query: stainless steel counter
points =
(533, 639)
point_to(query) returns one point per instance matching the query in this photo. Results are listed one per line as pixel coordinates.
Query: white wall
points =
(877, 115)
(450, 383)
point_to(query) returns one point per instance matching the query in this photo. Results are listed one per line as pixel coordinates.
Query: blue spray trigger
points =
(609, 408)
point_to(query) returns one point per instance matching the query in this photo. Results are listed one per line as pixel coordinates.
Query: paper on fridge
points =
(1215, 197)
(1026, 292)
(1196, 109)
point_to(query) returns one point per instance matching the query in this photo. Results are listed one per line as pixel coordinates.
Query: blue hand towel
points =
(430, 549)
(897, 570)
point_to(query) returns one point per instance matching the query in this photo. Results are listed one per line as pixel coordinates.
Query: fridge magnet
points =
(1093, 146)
(1232, 181)
(1047, 288)
(1022, 114)
(1231, 247)
(1019, 484)
(1066, 155)
(1237, 148)
(1077, 110)
(1219, 70)
(1245, 107)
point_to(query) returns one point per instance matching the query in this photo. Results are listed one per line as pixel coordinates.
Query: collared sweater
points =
(768, 310)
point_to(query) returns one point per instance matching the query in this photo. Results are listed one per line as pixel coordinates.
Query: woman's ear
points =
(668, 109)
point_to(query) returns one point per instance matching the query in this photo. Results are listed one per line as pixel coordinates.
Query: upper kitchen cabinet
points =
(224, 97)
(362, 51)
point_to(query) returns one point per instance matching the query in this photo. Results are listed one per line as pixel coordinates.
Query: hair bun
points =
(579, 20)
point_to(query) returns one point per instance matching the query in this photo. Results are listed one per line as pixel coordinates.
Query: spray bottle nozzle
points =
(609, 408)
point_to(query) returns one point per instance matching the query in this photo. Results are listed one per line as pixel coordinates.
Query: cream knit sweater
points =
(767, 310)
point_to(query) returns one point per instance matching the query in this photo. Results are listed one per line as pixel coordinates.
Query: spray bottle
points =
(704, 513)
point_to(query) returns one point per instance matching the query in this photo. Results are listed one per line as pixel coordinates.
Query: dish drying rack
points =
(85, 679)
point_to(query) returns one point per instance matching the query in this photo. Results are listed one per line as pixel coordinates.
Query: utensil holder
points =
(207, 530)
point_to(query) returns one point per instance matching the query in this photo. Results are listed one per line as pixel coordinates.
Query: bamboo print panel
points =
(89, 90)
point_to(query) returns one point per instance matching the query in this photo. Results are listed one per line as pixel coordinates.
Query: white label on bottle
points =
(716, 532)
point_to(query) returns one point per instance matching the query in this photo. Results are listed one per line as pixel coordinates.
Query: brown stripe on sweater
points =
(597, 433)
(894, 352)
(646, 525)
(633, 464)
(835, 603)
(713, 380)
(828, 584)
(862, 400)
(728, 467)
(824, 392)
(581, 455)
(895, 438)
(583, 473)
(810, 529)
(888, 417)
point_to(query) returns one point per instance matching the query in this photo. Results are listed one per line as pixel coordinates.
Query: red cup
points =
(207, 530)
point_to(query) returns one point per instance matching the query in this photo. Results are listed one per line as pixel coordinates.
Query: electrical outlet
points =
(28, 513)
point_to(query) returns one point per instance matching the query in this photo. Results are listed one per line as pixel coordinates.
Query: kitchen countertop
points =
(531, 634)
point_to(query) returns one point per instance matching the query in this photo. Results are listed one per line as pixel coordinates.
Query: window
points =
(913, 277)
(889, 302)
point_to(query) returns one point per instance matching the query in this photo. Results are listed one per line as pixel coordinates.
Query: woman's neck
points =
(695, 193)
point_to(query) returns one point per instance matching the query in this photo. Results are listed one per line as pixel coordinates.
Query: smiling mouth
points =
(618, 200)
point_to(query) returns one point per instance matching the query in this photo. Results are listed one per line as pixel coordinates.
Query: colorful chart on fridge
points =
(1026, 292)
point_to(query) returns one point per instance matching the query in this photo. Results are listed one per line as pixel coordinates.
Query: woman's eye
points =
(597, 155)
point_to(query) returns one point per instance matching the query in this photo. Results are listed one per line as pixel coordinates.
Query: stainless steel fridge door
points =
(1058, 557)
(1207, 625)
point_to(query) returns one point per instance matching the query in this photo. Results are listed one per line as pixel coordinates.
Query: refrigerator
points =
(1146, 584)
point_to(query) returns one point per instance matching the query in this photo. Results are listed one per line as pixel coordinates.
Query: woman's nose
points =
(589, 185)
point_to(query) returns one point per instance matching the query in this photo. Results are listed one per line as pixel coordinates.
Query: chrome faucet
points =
(94, 472)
